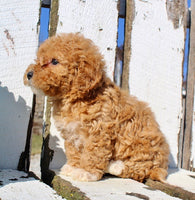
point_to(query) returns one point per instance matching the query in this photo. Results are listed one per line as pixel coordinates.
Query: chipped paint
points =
(18, 45)
(18, 185)
(102, 29)
(97, 20)
(176, 12)
(155, 67)
(10, 38)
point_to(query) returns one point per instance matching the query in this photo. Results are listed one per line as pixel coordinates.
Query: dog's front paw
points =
(78, 173)
(67, 170)
(82, 175)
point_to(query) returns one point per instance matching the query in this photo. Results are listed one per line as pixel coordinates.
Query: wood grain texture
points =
(18, 45)
(155, 68)
(190, 97)
(192, 164)
(171, 190)
(130, 9)
(97, 20)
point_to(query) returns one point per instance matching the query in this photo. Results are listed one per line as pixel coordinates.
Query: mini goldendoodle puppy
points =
(105, 129)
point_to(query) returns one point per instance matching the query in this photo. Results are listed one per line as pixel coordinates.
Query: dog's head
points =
(66, 65)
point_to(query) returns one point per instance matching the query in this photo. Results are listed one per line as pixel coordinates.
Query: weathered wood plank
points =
(171, 190)
(192, 164)
(156, 66)
(127, 46)
(19, 41)
(96, 20)
(67, 190)
(19, 185)
(190, 95)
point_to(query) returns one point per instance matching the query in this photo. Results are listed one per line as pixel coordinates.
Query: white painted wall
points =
(156, 67)
(96, 20)
(18, 44)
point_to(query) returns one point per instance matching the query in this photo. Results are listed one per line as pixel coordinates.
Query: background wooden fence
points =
(153, 65)
(18, 43)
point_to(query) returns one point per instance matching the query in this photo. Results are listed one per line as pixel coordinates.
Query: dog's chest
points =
(70, 131)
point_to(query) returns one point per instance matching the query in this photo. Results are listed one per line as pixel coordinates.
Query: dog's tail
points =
(158, 174)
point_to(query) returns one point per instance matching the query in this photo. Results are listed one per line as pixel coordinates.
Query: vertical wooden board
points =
(18, 44)
(193, 138)
(98, 21)
(155, 67)
(188, 135)
(56, 143)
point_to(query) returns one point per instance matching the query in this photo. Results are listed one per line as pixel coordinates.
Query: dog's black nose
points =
(30, 75)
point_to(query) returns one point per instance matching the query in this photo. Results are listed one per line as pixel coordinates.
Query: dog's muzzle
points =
(30, 75)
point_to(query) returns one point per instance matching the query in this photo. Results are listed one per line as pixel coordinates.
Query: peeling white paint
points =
(18, 44)
(182, 178)
(112, 188)
(96, 20)
(56, 143)
(18, 186)
(156, 67)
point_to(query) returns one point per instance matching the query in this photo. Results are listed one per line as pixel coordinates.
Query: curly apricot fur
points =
(100, 123)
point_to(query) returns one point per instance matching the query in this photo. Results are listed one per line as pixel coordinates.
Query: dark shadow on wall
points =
(14, 119)
(59, 158)
(51, 155)
(173, 168)
(24, 161)
(172, 163)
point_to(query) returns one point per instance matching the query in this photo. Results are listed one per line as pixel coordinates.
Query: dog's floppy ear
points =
(89, 74)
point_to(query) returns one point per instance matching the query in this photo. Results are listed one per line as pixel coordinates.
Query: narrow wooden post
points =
(53, 17)
(190, 94)
(19, 40)
(127, 45)
(47, 153)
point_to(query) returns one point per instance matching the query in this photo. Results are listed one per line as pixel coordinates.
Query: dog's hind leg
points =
(138, 171)
(128, 169)
(145, 157)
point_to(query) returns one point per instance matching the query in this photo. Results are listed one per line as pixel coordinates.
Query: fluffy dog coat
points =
(105, 129)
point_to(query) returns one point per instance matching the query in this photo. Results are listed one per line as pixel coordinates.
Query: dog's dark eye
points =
(54, 61)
